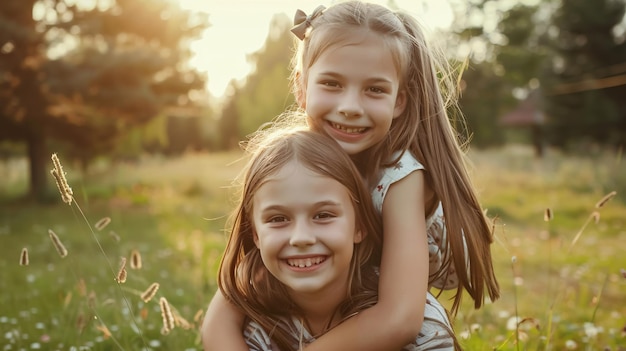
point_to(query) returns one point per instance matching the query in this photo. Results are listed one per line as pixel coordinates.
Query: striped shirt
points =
(436, 333)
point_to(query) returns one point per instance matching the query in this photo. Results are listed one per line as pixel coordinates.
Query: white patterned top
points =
(435, 225)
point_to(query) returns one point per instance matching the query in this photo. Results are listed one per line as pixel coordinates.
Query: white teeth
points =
(304, 262)
(348, 129)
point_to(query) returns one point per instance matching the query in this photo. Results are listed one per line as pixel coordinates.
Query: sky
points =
(240, 27)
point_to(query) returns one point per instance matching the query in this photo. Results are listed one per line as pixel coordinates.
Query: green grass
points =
(174, 211)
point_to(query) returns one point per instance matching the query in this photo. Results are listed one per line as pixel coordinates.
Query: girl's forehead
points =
(352, 36)
(290, 168)
(330, 41)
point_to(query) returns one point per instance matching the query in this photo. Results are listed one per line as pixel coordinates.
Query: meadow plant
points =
(24, 257)
(135, 259)
(58, 245)
(147, 295)
(544, 337)
(170, 317)
(121, 273)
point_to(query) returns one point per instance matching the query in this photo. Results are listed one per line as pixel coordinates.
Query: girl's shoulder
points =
(402, 165)
(405, 165)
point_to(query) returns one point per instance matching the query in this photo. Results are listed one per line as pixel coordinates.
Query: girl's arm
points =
(222, 326)
(397, 318)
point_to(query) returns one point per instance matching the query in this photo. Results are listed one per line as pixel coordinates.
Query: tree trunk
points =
(37, 160)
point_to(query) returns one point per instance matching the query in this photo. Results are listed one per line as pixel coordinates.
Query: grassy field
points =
(563, 284)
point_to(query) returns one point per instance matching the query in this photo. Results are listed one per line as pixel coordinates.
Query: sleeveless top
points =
(435, 225)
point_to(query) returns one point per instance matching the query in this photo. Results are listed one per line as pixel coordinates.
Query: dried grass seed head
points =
(122, 274)
(61, 181)
(135, 259)
(150, 292)
(102, 223)
(606, 199)
(58, 245)
(24, 257)
(166, 314)
(547, 215)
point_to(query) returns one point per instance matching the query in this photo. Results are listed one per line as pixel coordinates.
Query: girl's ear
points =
(358, 236)
(300, 91)
(401, 100)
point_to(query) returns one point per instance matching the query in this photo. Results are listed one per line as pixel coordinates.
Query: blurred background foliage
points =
(114, 80)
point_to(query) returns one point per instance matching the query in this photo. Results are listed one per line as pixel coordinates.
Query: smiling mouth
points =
(305, 262)
(346, 129)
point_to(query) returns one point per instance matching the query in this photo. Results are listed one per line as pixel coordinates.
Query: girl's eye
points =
(277, 219)
(324, 215)
(330, 84)
(377, 90)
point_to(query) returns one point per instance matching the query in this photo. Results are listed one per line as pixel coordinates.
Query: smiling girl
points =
(305, 244)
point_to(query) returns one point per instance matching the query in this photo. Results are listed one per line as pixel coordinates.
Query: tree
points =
(506, 65)
(229, 121)
(84, 76)
(587, 78)
(480, 83)
(266, 92)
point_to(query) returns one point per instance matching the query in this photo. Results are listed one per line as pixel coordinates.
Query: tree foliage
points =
(84, 75)
(505, 65)
(586, 83)
(266, 92)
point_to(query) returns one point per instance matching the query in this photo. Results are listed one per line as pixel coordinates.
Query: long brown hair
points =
(243, 278)
(424, 129)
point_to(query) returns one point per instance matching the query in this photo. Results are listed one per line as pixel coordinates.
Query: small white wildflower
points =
(571, 345)
(511, 323)
(590, 330)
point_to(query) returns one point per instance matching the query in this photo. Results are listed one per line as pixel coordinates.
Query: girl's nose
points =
(302, 235)
(350, 104)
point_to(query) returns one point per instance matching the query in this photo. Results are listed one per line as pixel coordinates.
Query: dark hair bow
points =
(301, 21)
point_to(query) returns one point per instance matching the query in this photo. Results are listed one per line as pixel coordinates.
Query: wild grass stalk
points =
(67, 197)
(547, 217)
(593, 216)
(517, 318)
